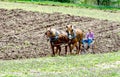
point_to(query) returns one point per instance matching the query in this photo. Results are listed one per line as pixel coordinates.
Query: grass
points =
(94, 13)
(71, 66)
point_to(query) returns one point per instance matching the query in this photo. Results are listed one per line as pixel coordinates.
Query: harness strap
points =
(55, 38)
(74, 34)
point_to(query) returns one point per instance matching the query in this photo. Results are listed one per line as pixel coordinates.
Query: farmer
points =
(88, 38)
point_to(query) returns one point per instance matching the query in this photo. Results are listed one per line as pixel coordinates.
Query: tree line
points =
(95, 2)
(114, 3)
(89, 2)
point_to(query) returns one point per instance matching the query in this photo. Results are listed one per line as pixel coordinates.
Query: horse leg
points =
(59, 50)
(77, 48)
(70, 48)
(80, 47)
(53, 53)
(65, 50)
(74, 45)
(57, 47)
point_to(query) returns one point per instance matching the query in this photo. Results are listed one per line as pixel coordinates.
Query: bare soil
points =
(22, 32)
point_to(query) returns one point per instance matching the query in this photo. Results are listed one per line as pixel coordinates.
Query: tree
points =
(98, 2)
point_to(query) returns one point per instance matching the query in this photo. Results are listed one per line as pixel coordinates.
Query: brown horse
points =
(75, 36)
(57, 38)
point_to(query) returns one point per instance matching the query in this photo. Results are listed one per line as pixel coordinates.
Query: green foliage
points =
(86, 3)
(10, 76)
(64, 1)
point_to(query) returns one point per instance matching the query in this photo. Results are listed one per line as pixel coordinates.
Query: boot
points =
(87, 47)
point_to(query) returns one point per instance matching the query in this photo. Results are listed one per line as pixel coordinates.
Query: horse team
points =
(72, 37)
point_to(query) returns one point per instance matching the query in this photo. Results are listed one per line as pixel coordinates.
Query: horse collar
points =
(72, 35)
(55, 38)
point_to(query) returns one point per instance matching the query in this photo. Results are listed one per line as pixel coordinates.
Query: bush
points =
(67, 1)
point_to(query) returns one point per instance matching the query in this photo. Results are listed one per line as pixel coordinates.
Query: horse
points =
(75, 36)
(57, 38)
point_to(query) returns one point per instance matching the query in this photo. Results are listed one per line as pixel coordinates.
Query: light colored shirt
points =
(90, 35)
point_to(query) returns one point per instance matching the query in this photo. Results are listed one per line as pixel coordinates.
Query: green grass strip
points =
(70, 66)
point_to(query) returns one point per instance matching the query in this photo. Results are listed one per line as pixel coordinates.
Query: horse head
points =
(50, 33)
(70, 31)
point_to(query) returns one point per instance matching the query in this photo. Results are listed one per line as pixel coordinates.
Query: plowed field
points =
(22, 32)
